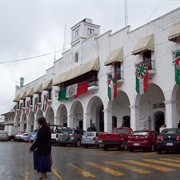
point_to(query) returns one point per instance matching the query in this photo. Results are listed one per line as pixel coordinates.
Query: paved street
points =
(72, 163)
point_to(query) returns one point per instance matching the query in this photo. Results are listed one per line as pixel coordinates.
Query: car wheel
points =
(85, 146)
(131, 149)
(124, 146)
(159, 151)
(78, 143)
(153, 148)
(105, 148)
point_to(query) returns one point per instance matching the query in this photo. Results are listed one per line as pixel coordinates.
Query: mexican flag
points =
(81, 89)
(45, 103)
(71, 90)
(62, 95)
(141, 78)
(36, 105)
(177, 68)
(112, 86)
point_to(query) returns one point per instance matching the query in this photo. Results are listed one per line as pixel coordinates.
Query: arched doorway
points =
(114, 122)
(30, 122)
(150, 103)
(50, 116)
(121, 110)
(77, 112)
(38, 115)
(61, 117)
(158, 120)
(96, 110)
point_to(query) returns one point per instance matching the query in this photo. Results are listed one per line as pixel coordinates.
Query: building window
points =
(117, 69)
(76, 57)
(49, 94)
(31, 100)
(147, 59)
(24, 102)
(39, 97)
(77, 33)
(90, 32)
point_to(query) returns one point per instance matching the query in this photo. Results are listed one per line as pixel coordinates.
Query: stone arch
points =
(149, 103)
(95, 109)
(76, 112)
(50, 115)
(61, 116)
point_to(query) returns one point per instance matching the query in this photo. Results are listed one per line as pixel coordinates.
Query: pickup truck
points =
(116, 138)
(55, 133)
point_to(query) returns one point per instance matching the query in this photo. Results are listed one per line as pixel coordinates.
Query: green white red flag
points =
(81, 89)
(141, 78)
(28, 106)
(45, 103)
(36, 105)
(177, 68)
(112, 86)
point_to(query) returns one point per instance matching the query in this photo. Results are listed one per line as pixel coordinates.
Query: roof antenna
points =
(126, 12)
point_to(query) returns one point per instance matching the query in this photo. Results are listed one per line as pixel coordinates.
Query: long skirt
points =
(42, 162)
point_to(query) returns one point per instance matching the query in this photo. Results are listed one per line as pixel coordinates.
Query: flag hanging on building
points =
(112, 86)
(28, 107)
(81, 89)
(71, 90)
(177, 68)
(21, 109)
(141, 78)
(36, 105)
(45, 103)
(62, 95)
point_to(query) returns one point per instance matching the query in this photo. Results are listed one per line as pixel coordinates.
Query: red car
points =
(142, 140)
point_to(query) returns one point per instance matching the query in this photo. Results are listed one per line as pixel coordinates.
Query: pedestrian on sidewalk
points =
(42, 145)
(179, 124)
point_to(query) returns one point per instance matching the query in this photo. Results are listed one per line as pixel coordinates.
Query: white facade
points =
(159, 105)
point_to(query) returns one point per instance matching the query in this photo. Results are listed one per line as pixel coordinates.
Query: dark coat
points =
(43, 141)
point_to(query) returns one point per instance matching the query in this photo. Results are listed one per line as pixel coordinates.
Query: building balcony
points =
(151, 66)
(93, 84)
(120, 79)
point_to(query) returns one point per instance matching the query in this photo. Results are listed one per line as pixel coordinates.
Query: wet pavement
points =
(71, 163)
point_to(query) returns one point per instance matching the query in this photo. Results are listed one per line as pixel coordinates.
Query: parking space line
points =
(172, 160)
(26, 173)
(82, 172)
(56, 173)
(160, 168)
(106, 169)
(150, 153)
(125, 166)
(162, 162)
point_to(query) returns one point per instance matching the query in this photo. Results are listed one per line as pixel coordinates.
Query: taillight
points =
(177, 138)
(160, 138)
(94, 138)
(72, 135)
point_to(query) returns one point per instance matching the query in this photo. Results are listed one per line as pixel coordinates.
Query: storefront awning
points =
(114, 56)
(38, 89)
(23, 95)
(92, 65)
(175, 32)
(16, 99)
(144, 44)
(30, 92)
(48, 85)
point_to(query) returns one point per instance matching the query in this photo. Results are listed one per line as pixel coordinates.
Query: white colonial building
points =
(90, 59)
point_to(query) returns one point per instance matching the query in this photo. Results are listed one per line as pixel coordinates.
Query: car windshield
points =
(171, 131)
(89, 134)
(121, 131)
(140, 133)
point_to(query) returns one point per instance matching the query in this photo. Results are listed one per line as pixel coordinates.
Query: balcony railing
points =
(93, 81)
(151, 63)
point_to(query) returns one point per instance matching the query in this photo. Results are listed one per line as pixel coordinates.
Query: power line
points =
(29, 58)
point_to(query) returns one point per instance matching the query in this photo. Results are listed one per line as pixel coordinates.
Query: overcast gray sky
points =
(34, 27)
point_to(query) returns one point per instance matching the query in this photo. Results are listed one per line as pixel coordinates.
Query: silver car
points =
(90, 139)
(3, 136)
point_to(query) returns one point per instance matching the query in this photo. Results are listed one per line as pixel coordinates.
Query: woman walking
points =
(42, 145)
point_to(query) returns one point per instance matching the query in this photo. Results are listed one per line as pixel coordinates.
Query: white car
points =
(3, 136)
(90, 139)
(18, 136)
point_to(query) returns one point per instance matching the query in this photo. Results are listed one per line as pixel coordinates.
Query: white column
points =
(134, 117)
(107, 120)
(170, 114)
(86, 121)
(70, 121)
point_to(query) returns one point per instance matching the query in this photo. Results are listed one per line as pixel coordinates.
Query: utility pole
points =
(126, 12)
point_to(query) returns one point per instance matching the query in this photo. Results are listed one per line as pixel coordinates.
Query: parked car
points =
(24, 136)
(117, 138)
(168, 140)
(71, 136)
(90, 139)
(28, 137)
(33, 136)
(55, 133)
(142, 140)
(4, 136)
(12, 130)
(18, 136)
